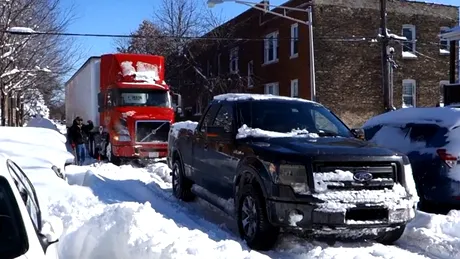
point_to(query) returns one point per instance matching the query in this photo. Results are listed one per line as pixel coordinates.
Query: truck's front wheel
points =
(252, 220)
(392, 236)
(110, 156)
(182, 187)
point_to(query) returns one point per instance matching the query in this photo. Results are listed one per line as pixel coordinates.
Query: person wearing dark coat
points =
(78, 136)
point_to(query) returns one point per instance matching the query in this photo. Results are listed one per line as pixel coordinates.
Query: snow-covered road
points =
(129, 212)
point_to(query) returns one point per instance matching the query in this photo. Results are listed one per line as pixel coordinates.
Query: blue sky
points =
(124, 16)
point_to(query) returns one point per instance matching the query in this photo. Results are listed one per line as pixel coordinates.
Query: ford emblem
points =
(362, 176)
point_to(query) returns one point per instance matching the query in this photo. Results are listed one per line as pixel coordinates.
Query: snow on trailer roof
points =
(448, 117)
(258, 97)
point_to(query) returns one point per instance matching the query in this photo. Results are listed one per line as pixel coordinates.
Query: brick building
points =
(271, 55)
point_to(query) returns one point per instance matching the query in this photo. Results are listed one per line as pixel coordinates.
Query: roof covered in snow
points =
(245, 97)
(443, 116)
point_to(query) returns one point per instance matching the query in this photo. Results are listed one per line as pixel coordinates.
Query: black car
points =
(288, 163)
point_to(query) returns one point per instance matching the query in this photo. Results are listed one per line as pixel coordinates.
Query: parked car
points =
(23, 232)
(430, 137)
(288, 163)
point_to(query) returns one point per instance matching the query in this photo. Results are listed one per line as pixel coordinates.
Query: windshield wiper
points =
(327, 134)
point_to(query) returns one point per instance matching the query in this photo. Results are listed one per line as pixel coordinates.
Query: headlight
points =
(122, 138)
(292, 175)
(409, 182)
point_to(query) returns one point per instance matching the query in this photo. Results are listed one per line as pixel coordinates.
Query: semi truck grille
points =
(152, 131)
(327, 174)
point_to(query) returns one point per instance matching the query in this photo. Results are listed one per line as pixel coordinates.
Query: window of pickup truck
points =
(285, 116)
(13, 236)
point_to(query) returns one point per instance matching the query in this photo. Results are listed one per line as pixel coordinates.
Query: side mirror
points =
(218, 133)
(52, 230)
(358, 133)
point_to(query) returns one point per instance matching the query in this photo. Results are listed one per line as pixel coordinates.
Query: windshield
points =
(143, 97)
(13, 238)
(286, 116)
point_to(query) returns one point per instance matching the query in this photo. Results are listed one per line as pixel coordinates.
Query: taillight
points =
(449, 159)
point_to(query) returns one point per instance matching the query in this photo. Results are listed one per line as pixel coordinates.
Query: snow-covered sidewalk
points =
(128, 212)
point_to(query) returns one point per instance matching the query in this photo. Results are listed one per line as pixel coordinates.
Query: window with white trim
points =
(444, 45)
(408, 93)
(234, 60)
(250, 74)
(272, 88)
(271, 47)
(409, 46)
(441, 90)
(294, 40)
(295, 88)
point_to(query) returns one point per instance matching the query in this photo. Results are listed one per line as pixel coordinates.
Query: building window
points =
(272, 88)
(271, 48)
(408, 93)
(409, 48)
(250, 74)
(294, 40)
(295, 88)
(218, 63)
(234, 60)
(441, 91)
(444, 45)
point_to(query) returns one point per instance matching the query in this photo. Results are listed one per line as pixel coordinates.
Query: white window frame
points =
(233, 60)
(276, 88)
(294, 38)
(445, 51)
(410, 54)
(271, 37)
(295, 88)
(441, 92)
(250, 74)
(414, 93)
(218, 63)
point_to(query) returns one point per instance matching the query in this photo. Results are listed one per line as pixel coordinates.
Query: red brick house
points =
(264, 53)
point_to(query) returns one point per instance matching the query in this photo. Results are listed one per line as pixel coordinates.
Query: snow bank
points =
(246, 131)
(188, 125)
(241, 97)
(444, 116)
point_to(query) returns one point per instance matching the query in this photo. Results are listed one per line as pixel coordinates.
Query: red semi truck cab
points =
(135, 107)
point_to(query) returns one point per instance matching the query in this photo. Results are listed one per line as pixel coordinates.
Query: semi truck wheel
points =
(110, 156)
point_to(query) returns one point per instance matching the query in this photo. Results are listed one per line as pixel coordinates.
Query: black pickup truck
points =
(286, 163)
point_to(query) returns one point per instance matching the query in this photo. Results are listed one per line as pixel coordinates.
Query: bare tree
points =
(30, 65)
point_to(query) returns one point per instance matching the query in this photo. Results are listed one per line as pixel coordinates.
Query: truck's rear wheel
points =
(182, 187)
(110, 156)
(252, 220)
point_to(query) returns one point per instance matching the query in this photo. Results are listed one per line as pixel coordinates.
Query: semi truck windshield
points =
(142, 97)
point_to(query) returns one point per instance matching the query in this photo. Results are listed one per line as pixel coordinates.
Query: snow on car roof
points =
(443, 116)
(243, 97)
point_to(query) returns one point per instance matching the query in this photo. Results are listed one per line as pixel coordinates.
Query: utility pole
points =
(385, 62)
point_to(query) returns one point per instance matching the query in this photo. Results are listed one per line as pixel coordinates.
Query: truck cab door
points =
(200, 158)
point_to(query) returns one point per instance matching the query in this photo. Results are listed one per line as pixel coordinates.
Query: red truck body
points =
(134, 107)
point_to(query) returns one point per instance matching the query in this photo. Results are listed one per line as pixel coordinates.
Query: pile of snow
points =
(245, 131)
(146, 72)
(34, 104)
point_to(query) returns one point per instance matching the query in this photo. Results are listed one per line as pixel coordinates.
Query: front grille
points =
(384, 175)
(152, 131)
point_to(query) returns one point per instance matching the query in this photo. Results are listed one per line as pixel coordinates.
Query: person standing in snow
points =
(78, 136)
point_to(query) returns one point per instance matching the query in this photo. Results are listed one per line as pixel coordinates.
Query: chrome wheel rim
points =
(249, 216)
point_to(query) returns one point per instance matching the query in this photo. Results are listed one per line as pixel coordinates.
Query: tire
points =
(182, 187)
(110, 156)
(263, 235)
(392, 236)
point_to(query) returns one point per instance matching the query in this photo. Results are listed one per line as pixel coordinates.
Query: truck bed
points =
(81, 93)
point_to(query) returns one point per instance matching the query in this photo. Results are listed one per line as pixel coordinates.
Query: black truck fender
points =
(251, 169)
